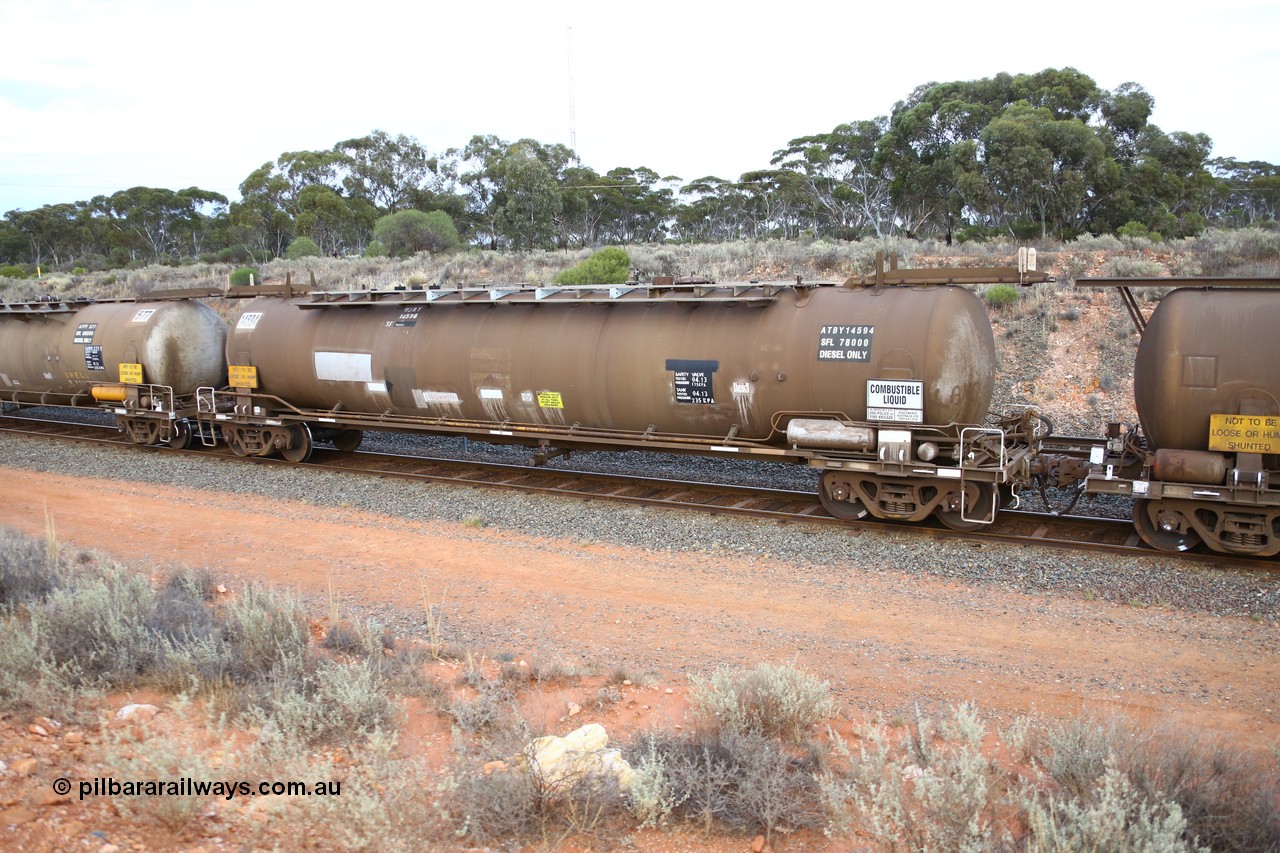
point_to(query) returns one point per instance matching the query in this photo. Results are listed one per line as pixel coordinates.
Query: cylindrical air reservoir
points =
(1207, 352)
(695, 368)
(179, 343)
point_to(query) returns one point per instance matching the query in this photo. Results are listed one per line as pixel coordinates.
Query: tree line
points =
(1049, 154)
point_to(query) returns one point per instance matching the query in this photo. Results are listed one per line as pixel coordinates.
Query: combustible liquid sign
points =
(1244, 433)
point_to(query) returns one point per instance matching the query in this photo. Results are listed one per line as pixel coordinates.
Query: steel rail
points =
(1013, 527)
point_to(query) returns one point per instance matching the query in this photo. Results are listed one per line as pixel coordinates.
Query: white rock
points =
(143, 713)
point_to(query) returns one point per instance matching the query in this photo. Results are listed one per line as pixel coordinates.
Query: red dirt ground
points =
(886, 640)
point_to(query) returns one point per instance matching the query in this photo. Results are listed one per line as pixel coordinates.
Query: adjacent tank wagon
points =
(885, 388)
(1206, 464)
(142, 359)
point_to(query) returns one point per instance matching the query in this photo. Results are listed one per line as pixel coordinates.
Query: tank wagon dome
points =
(1204, 353)
(689, 368)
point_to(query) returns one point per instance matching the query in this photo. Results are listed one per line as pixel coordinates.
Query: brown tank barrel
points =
(1207, 352)
(694, 368)
(179, 343)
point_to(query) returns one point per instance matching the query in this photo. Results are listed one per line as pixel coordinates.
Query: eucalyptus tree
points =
(388, 172)
(49, 231)
(844, 178)
(1043, 167)
(513, 190)
(1248, 192)
(711, 210)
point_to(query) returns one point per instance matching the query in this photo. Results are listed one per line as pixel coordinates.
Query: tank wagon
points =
(882, 383)
(1205, 464)
(141, 359)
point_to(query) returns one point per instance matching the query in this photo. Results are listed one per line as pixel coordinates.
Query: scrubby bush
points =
(78, 628)
(332, 704)
(772, 700)
(375, 249)
(1134, 230)
(29, 570)
(610, 265)
(13, 271)
(407, 232)
(302, 247)
(241, 277)
(1001, 295)
(737, 779)
(1128, 267)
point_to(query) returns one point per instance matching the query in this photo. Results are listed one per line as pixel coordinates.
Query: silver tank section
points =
(695, 369)
(179, 343)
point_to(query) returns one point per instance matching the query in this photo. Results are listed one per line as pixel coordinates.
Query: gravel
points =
(814, 555)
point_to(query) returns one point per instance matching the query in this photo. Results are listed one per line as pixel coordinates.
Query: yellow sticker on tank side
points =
(1244, 433)
(131, 373)
(550, 400)
(242, 376)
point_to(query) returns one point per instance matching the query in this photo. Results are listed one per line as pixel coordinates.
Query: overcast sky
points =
(101, 96)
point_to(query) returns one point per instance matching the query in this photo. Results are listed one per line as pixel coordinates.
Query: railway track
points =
(1019, 527)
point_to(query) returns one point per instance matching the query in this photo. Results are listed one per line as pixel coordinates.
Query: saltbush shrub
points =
(610, 265)
(240, 277)
(772, 700)
(1001, 295)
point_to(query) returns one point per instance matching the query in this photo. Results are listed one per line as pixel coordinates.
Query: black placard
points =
(845, 343)
(692, 379)
(93, 358)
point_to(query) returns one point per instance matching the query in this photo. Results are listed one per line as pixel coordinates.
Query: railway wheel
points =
(235, 442)
(979, 500)
(837, 498)
(180, 434)
(1158, 527)
(299, 449)
(347, 440)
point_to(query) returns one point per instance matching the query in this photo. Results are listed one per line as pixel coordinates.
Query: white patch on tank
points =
(5, 378)
(424, 399)
(143, 315)
(743, 399)
(526, 396)
(376, 387)
(492, 401)
(965, 358)
(249, 320)
(344, 366)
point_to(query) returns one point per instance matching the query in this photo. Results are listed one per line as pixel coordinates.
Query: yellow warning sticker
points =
(131, 373)
(242, 376)
(1244, 433)
(550, 400)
